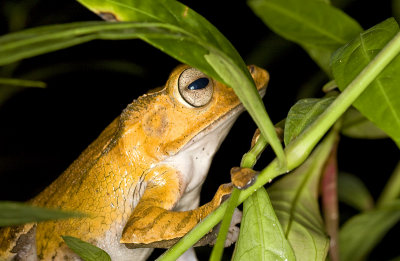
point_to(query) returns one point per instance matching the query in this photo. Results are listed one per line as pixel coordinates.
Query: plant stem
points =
(248, 161)
(306, 141)
(218, 248)
(300, 148)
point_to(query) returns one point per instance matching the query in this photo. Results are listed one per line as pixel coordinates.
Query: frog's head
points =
(201, 105)
(192, 112)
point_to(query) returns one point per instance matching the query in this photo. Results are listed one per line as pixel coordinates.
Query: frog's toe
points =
(243, 178)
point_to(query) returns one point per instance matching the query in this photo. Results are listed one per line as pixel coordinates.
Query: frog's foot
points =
(231, 237)
(243, 178)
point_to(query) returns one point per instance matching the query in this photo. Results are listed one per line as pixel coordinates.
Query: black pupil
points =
(198, 84)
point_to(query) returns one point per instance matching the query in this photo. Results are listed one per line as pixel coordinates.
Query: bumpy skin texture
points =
(120, 180)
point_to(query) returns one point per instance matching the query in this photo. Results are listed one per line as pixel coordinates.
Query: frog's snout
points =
(251, 68)
(260, 77)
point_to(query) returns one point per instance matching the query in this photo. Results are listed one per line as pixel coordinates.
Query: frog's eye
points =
(195, 87)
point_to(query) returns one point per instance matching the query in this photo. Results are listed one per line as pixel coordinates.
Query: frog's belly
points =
(109, 243)
(117, 251)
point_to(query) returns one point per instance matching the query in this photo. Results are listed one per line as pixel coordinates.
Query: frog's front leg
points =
(153, 223)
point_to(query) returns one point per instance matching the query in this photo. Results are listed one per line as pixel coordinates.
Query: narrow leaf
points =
(352, 191)
(15, 213)
(45, 39)
(261, 235)
(86, 251)
(355, 125)
(360, 234)
(318, 27)
(21, 83)
(295, 200)
(174, 29)
(302, 114)
(379, 102)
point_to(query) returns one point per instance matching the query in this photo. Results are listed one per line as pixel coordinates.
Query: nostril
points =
(251, 69)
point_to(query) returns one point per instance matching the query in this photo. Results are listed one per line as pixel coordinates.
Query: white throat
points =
(194, 159)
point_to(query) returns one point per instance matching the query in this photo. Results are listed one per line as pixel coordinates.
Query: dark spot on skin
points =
(155, 123)
(25, 246)
(108, 16)
(24, 240)
(251, 69)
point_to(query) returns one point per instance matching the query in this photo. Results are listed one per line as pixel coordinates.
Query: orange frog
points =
(140, 180)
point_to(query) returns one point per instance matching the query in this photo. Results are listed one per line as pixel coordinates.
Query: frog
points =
(139, 182)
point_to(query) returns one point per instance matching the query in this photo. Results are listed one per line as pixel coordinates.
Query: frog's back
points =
(102, 182)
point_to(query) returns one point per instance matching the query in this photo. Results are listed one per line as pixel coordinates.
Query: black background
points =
(43, 130)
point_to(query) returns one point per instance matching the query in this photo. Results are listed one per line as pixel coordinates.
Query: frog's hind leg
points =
(18, 243)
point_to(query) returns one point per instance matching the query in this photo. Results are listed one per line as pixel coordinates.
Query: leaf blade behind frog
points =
(315, 25)
(295, 200)
(302, 114)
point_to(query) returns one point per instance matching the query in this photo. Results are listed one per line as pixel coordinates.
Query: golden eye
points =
(195, 87)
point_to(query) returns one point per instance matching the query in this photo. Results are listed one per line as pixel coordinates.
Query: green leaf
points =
(249, 159)
(379, 102)
(166, 24)
(360, 234)
(302, 114)
(261, 235)
(352, 191)
(318, 27)
(355, 125)
(198, 44)
(295, 200)
(45, 39)
(15, 213)
(22, 83)
(86, 251)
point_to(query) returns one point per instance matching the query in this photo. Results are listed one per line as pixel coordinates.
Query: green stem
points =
(248, 161)
(218, 248)
(299, 149)
(305, 142)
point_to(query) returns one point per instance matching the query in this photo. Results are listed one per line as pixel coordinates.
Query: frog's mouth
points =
(222, 126)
